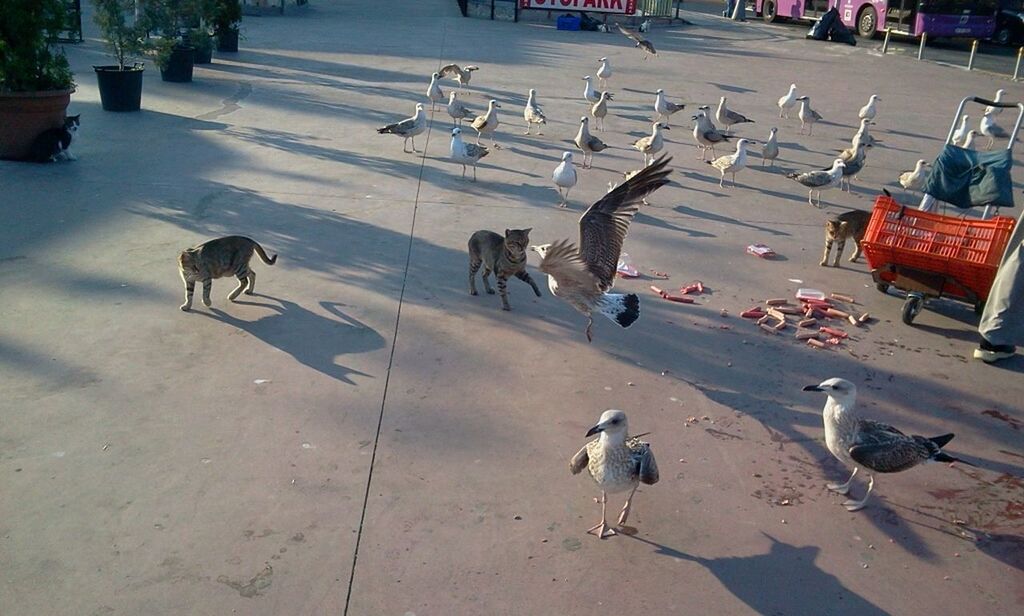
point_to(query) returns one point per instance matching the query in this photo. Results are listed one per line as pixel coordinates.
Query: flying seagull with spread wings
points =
(646, 46)
(461, 74)
(583, 276)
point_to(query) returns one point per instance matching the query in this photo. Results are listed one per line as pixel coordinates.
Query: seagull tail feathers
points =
(623, 309)
(941, 441)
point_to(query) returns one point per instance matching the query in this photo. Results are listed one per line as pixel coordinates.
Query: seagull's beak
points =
(595, 430)
(666, 127)
(813, 388)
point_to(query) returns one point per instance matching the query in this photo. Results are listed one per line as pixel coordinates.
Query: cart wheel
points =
(979, 307)
(883, 287)
(911, 308)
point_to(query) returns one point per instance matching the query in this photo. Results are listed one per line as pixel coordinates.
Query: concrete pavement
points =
(406, 448)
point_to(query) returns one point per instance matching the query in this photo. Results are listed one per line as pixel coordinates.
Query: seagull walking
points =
(600, 110)
(604, 72)
(807, 115)
(434, 92)
(532, 113)
(408, 128)
(457, 110)
(461, 74)
(913, 180)
(651, 144)
(587, 143)
(731, 163)
(664, 107)
(643, 44)
(465, 153)
(617, 462)
(728, 117)
(961, 133)
(706, 134)
(868, 111)
(487, 123)
(583, 276)
(990, 129)
(787, 101)
(998, 99)
(770, 149)
(564, 176)
(870, 444)
(818, 180)
(591, 94)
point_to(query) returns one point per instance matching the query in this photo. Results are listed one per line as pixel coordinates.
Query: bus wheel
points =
(769, 12)
(867, 22)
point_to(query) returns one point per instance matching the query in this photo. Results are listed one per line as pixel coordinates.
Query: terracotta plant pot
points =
(25, 115)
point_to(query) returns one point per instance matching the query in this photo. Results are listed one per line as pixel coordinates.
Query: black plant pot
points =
(227, 41)
(179, 65)
(120, 90)
(203, 56)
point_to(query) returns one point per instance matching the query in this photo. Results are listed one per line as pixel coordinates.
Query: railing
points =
(667, 9)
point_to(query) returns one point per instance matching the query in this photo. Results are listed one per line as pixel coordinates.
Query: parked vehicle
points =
(1009, 23)
(952, 18)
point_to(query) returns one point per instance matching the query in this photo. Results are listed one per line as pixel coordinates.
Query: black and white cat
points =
(53, 144)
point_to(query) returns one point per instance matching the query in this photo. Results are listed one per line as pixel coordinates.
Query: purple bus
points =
(953, 18)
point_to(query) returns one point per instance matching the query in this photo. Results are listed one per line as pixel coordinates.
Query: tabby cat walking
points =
(224, 256)
(505, 256)
(848, 225)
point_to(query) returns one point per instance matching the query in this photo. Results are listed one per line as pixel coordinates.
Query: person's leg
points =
(1002, 324)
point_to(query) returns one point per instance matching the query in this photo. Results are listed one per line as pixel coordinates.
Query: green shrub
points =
(125, 38)
(30, 59)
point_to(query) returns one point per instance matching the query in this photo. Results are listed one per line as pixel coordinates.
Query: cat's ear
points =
(526, 232)
(843, 226)
(508, 232)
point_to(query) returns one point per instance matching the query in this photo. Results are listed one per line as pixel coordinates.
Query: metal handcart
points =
(931, 255)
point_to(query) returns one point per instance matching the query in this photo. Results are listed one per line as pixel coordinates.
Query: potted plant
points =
(227, 17)
(120, 84)
(172, 51)
(35, 80)
(202, 42)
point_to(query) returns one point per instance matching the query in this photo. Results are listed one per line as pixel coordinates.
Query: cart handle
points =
(982, 101)
(988, 103)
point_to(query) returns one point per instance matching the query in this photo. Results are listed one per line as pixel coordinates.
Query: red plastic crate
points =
(965, 249)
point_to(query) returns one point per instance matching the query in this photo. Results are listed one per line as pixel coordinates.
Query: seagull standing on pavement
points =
(583, 276)
(706, 134)
(532, 113)
(465, 153)
(728, 117)
(818, 180)
(617, 463)
(770, 149)
(604, 72)
(590, 93)
(587, 143)
(408, 128)
(807, 115)
(731, 163)
(664, 107)
(787, 101)
(990, 129)
(457, 110)
(651, 144)
(434, 92)
(487, 123)
(564, 176)
(876, 446)
(864, 135)
(913, 180)
(868, 112)
(600, 110)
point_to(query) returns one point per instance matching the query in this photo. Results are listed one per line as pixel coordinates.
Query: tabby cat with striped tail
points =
(224, 256)
(505, 256)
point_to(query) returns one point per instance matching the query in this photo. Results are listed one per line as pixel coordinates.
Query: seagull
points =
(583, 276)
(626, 175)
(853, 162)
(876, 446)
(487, 123)
(461, 74)
(434, 92)
(457, 110)
(604, 72)
(787, 101)
(867, 112)
(665, 108)
(960, 133)
(600, 110)
(914, 180)
(591, 94)
(532, 113)
(706, 134)
(646, 46)
(818, 180)
(807, 115)
(731, 163)
(465, 153)
(968, 143)
(408, 128)
(588, 143)
(727, 117)
(617, 462)
(651, 144)
(770, 149)
(864, 136)
(990, 129)
(564, 176)
(998, 99)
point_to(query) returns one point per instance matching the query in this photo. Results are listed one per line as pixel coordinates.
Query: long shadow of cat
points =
(312, 339)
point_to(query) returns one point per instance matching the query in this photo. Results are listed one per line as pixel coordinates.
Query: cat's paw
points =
(824, 263)
(207, 302)
(473, 292)
(250, 292)
(506, 308)
(490, 291)
(185, 307)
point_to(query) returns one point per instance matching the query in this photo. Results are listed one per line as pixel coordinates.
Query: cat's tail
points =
(263, 255)
(623, 309)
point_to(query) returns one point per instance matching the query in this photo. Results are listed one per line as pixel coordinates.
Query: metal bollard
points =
(885, 43)
(974, 50)
(1016, 69)
(920, 50)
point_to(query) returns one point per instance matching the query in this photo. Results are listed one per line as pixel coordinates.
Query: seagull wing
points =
(596, 144)
(563, 263)
(647, 466)
(475, 151)
(604, 225)
(579, 461)
(630, 34)
(450, 69)
(479, 122)
(813, 179)
(713, 136)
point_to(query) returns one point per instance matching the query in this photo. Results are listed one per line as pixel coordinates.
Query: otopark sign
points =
(625, 7)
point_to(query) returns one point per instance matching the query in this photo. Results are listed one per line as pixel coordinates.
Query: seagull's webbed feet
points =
(852, 505)
(843, 488)
(603, 530)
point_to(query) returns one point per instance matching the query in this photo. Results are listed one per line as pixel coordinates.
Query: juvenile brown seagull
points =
(583, 276)
(461, 74)
(876, 446)
(617, 462)
(646, 46)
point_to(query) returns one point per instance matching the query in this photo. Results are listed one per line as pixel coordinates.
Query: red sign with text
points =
(626, 7)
